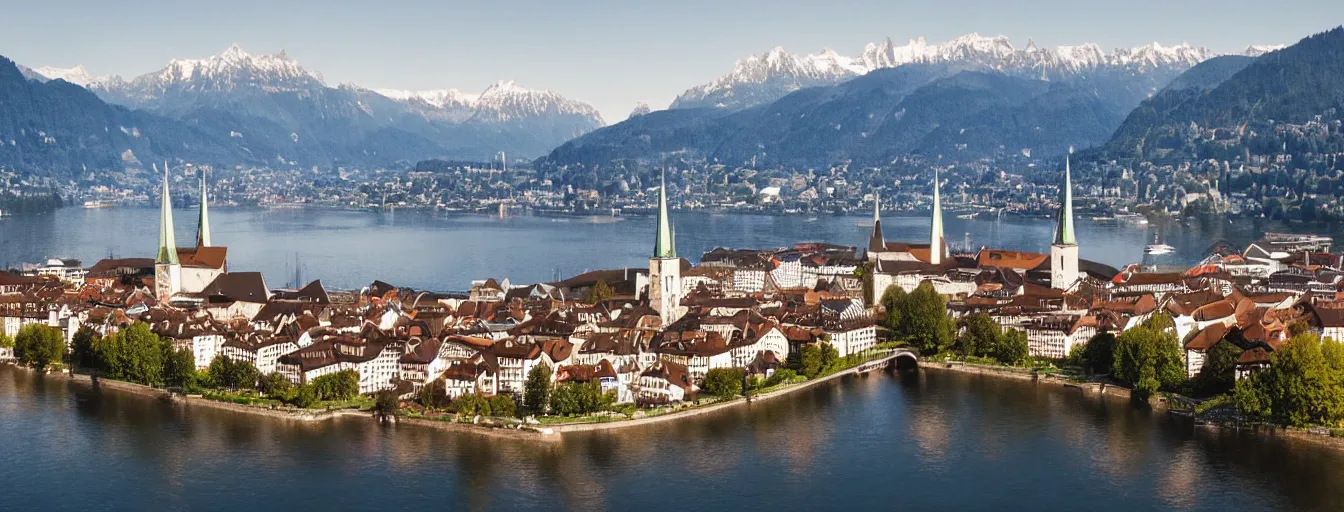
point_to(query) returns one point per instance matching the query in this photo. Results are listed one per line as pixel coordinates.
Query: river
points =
(925, 441)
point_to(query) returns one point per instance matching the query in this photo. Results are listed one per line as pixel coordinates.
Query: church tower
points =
(167, 268)
(203, 222)
(876, 243)
(1064, 251)
(665, 267)
(937, 242)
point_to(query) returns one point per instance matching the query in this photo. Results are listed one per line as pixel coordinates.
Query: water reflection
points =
(915, 439)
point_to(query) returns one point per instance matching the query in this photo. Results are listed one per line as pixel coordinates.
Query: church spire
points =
(1064, 229)
(203, 222)
(167, 245)
(876, 242)
(936, 245)
(664, 246)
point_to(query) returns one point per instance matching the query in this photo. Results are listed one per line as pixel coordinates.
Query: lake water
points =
(881, 442)
(439, 251)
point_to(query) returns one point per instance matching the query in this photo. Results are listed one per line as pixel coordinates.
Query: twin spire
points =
(167, 241)
(936, 245)
(665, 246)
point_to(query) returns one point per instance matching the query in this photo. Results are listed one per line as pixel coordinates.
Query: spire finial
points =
(167, 244)
(663, 246)
(936, 245)
(1064, 234)
(203, 222)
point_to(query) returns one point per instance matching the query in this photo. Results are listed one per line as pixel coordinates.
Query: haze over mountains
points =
(967, 98)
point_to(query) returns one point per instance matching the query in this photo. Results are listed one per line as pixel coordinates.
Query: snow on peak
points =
(641, 108)
(76, 75)
(438, 98)
(505, 100)
(778, 72)
(1257, 50)
(236, 64)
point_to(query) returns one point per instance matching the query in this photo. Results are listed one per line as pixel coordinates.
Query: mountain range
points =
(274, 110)
(966, 98)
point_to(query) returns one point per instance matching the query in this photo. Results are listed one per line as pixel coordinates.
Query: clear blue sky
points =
(610, 53)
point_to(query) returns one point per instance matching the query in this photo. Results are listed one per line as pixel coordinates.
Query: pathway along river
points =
(878, 442)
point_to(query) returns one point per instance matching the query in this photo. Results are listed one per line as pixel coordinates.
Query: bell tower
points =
(167, 268)
(1064, 250)
(665, 267)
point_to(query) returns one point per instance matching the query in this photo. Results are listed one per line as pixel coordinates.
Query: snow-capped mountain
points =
(278, 107)
(76, 75)
(506, 101)
(762, 78)
(641, 108)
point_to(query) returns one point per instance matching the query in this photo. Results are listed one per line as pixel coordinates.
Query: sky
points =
(610, 54)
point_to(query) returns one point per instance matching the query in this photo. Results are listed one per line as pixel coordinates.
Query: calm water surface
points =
(881, 442)
(437, 251)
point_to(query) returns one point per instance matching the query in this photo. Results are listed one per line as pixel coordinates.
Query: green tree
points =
(893, 302)
(386, 405)
(1160, 321)
(135, 354)
(342, 385)
(1218, 375)
(1012, 348)
(979, 335)
(82, 344)
(830, 358)
(6, 341)
(503, 406)
(39, 345)
(1148, 359)
(600, 292)
(1099, 353)
(810, 357)
(865, 274)
(179, 366)
(432, 394)
(1301, 386)
(724, 383)
(275, 385)
(537, 389)
(305, 396)
(925, 323)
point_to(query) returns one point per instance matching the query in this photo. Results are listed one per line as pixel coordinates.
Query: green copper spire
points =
(1064, 231)
(203, 223)
(167, 245)
(664, 246)
(936, 233)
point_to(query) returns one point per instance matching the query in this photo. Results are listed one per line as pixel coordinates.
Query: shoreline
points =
(1261, 431)
(530, 432)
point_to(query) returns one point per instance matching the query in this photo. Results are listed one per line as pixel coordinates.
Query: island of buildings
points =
(654, 334)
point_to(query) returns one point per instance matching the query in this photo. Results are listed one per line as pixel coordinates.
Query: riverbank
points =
(534, 432)
(1315, 437)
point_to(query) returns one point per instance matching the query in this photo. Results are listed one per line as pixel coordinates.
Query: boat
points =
(1158, 249)
(97, 204)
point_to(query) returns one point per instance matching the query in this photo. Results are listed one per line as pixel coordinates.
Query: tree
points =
(1148, 359)
(979, 335)
(1099, 353)
(224, 372)
(1301, 386)
(1218, 375)
(537, 388)
(925, 322)
(82, 344)
(810, 357)
(432, 394)
(179, 366)
(6, 341)
(577, 398)
(893, 301)
(135, 354)
(600, 292)
(503, 406)
(1012, 348)
(305, 397)
(724, 383)
(342, 385)
(386, 405)
(275, 385)
(39, 345)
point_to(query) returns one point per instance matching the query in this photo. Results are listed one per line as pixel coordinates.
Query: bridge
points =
(900, 358)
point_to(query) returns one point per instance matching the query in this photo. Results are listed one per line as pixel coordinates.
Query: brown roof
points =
(585, 372)
(238, 286)
(671, 372)
(1207, 337)
(1215, 310)
(1010, 259)
(110, 265)
(209, 257)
